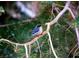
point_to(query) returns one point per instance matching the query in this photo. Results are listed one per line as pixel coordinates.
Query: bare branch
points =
(52, 45)
(76, 29)
(29, 50)
(48, 27)
(45, 32)
(39, 48)
(75, 52)
(60, 14)
(72, 49)
(11, 42)
(71, 13)
(26, 50)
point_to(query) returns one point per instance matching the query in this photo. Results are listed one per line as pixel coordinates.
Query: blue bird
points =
(37, 30)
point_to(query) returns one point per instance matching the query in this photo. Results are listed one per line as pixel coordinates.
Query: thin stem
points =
(52, 45)
(72, 49)
(11, 42)
(75, 52)
(29, 50)
(26, 50)
(39, 48)
(76, 29)
(60, 14)
(16, 46)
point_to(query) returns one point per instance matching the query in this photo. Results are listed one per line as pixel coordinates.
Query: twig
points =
(75, 52)
(76, 29)
(59, 5)
(71, 13)
(52, 45)
(60, 14)
(72, 49)
(15, 48)
(29, 50)
(50, 51)
(57, 9)
(39, 48)
(11, 42)
(26, 50)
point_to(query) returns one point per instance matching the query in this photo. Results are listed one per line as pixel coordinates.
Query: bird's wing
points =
(36, 29)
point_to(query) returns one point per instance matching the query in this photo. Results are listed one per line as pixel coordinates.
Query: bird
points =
(37, 30)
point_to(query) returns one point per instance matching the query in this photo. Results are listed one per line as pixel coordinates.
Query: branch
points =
(11, 42)
(48, 28)
(16, 47)
(52, 45)
(26, 50)
(45, 32)
(29, 50)
(72, 49)
(75, 52)
(60, 14)
(39, 48)
(76, 29)
(53, 22)
(71, 13)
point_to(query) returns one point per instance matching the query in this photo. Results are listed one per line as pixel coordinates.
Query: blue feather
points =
(36, 29)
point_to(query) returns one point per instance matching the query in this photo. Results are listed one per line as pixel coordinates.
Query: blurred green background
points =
(63, 36)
